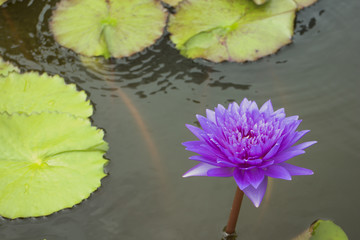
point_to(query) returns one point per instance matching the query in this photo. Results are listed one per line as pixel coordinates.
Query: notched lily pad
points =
(232, 30)
(48, 162)
(31, 92)
(6, 68)
(108, 28)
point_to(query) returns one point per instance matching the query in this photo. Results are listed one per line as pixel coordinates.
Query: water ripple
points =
(28, 43)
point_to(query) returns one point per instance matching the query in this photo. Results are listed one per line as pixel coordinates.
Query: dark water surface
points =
(144, 101)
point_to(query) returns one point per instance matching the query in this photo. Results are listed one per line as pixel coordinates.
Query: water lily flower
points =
(249, 144)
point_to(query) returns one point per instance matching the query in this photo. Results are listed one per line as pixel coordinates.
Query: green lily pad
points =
(48, 162)
(323, 230)
(326, 229)
(5, 67)
(232, 30)
(31, 92)
(304, 3)
(2, 1)
(108, 27)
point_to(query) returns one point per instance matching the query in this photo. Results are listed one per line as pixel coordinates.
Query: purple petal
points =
(291, 125)
(219, 111)
(202, 148)
(256, 195)
(280, 113)
(302, 146)
(299, 135)
(244, 105)
(221, 172)
(253, 107)
(234, 108)
(207, 125)
(274, 149)
(199, 170)
(254, 176)
(212, 161)
(225, 163)
(286, 155)
(267, 108)
(277, 171)
(203, 159)
(295, 170)
(210, 114)
(292, 139)
(267, 163)
(196, 131)
(192, 144)
(255, 151)
(240, 179)
(292, 120)
(254, 162)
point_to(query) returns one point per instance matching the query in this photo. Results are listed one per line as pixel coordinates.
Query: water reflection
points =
(150, 72)
(28, 43)
(135, 99)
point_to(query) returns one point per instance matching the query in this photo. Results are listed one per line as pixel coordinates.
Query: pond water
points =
(144, 101)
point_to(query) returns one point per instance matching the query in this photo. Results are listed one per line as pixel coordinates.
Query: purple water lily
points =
(249, 144)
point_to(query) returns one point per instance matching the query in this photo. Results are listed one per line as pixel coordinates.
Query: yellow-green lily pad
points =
(109, 28)
(31, 92)
(232, 30)
(48, 162)
(2, 1)
(6, 68)
(326, 229)
(323, 230)
(304, 3)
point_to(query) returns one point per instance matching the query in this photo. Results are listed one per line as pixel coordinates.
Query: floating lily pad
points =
(326, 229)
(48, 162)
(108, 27)
(5, 67)
(232, 30)
(323, 230)
(304, 3)
(2, 1)
(31, 92)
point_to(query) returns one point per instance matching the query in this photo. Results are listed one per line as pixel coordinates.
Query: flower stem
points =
(235, 209)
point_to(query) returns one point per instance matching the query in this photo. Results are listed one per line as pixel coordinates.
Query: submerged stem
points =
(235, 209)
